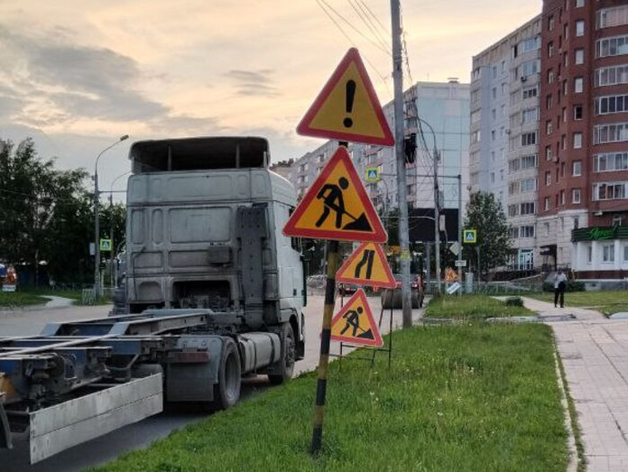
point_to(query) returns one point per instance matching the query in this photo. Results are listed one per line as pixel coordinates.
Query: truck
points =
(213, 292)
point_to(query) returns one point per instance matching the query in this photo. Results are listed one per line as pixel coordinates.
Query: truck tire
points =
(288, 356)
(227, 390)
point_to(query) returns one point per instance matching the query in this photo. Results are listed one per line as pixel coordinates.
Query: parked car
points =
(391, 298)
(347, 289)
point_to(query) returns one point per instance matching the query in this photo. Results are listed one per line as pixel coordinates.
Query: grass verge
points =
(472, 307)
(472, 397)
(20, 299)
(605, 301)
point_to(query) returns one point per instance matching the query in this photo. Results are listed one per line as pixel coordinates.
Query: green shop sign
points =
(599, 233)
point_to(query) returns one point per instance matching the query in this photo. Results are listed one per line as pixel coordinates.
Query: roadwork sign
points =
(355, 323)
(367, 266)
(105, 244)
(469, 236)
(337, 206)
(347, 109)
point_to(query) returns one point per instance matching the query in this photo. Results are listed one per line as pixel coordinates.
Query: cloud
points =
(79, 81)
(253, 83)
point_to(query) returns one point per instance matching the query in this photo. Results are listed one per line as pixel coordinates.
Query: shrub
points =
(514, 301)
(572, 286)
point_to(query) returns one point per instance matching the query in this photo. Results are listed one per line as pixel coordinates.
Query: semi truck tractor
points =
(213, 291)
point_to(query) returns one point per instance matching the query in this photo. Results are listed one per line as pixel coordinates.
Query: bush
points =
(514, 301)
(572, 286)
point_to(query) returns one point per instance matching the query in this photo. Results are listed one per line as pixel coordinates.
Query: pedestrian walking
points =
(560, 287)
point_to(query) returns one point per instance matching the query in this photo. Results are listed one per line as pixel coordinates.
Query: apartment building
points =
(504, 133)
(583, 169)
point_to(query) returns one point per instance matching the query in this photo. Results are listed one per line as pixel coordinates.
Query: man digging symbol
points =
(333, 200)
(352, 318)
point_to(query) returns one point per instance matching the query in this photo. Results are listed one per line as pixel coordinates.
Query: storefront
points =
(600, 253)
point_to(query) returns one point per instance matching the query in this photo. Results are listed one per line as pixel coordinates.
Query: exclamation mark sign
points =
(350, 95)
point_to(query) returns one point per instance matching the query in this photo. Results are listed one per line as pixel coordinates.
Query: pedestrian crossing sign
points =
(337, 206)
(105, 244)
(470, 236)
(367, 265)
(371, 174)
(355, 324)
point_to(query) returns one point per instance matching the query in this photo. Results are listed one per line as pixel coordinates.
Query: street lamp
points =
(97, 291)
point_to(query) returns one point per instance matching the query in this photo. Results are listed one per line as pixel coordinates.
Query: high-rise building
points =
(505, 132)
(583, 165)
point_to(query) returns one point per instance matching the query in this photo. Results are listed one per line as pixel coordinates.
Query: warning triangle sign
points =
(337, 206)
(347, 109)
(355, 324)
(367, 266)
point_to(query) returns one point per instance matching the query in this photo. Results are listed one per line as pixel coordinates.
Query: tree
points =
(485, 214)
(45, 215)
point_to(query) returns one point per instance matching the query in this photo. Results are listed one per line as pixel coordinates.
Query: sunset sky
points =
(75, 75)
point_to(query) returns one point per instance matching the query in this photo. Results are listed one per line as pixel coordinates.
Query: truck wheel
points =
(227, 390)
(288, 356)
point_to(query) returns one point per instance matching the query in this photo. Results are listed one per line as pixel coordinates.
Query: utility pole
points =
(406, 300)
(437, 221)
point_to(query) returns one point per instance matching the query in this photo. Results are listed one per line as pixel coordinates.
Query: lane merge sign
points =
(367, 266)
(469, 236)
(347, 109)
(355, 324)
(337, 206)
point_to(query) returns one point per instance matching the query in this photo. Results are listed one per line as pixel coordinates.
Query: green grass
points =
(473, 398)
(605, 301)
(20, 299)
(472, 307)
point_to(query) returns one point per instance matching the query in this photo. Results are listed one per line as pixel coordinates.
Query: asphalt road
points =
(142, 434)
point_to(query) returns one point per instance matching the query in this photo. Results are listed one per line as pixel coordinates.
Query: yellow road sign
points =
(355, 324)
(337, 206)
(347, 108)
(367, 266)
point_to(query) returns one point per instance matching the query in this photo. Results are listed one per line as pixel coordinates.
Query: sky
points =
(77, 75)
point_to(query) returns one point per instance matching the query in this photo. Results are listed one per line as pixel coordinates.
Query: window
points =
(527, 208)
(494, 71)
(548, 127)
(512, 210)
(577, 140)
(494, 93)
(548, 101)
(609, 191)
(575, 195)
(475, 137)
(625, 253)
(578, 84)
(610, 133)
(528, 139)
(548, 153)
(529, 68)
(529, 92)
(513, 188)
(618, 220)
(579, 27)
(576, 168)
(492, 177)
(579, 56)
(610, 162)
(528, 185)
(562, 197)
(530, 44)
(611, 104)
(608, 253)
(530, 115)
(612, 75)
(609, 17)
(493, 135)
(494, 114)
(613, 46)
(548, 178)
(514, 232)
(528, 162)
(579, 3)
(577, 112)
(547, 203)
(550, 23)
(513, 166)
(526, 232)
(550, 49)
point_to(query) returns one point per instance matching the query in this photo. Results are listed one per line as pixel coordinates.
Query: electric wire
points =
(369, 24)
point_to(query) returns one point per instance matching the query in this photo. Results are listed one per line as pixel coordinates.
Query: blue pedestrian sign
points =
(469, 236)
(371, 174)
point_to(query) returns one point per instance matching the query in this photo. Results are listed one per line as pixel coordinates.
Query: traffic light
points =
(409, 148)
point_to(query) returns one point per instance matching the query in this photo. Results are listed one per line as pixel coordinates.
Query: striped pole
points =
(328, 313)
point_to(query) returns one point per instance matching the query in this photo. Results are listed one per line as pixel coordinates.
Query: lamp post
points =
(97, 290)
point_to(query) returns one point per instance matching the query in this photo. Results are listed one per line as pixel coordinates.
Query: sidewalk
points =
(594, 352)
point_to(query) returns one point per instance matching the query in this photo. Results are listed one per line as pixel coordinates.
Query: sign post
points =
(336, 207)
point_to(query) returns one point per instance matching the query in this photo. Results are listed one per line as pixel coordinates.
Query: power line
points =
(386, 33)
(369, 23)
